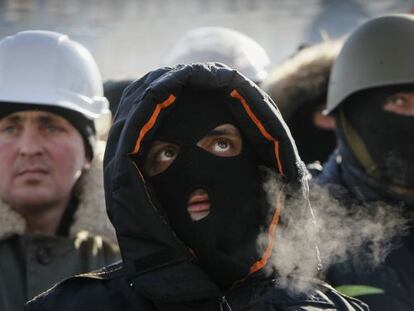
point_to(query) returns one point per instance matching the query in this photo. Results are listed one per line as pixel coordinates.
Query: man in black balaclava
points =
(371, 96)
(186, 159)
(215, 202)
(386, 134)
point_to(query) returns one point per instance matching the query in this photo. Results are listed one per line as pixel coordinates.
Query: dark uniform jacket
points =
(158, 271)
(389, 286)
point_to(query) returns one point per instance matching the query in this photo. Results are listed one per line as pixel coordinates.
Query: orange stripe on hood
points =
(261, 128)
(150, 123)
(271, 236)
(275, 219)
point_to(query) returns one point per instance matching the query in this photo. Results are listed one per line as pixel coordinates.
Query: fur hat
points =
(302, 78)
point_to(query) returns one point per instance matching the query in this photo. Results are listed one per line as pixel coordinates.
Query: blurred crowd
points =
(218, 181)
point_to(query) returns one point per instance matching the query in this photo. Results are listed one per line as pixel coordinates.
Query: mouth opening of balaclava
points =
(225, 241)
(386, 137)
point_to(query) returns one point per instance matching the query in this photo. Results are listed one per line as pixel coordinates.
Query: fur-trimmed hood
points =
(302, 78)
(90, 215)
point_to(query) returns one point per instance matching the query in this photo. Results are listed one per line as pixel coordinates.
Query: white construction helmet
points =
(217, 44)
(45, 68)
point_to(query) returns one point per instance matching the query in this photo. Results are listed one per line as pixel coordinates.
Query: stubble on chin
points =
(31, 200)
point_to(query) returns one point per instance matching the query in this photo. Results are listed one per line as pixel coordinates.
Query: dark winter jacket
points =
(389, 286)
(113, 92)
(158, 271)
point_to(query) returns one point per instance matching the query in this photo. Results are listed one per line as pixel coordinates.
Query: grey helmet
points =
(378, 53)
(302, 79)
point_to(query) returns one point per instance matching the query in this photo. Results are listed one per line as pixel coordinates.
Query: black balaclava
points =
(388, 137)
(224, 242)
(313, 143)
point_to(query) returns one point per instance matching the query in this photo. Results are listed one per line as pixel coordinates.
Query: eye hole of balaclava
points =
(378, 115)
(223, 141)
(210, 187)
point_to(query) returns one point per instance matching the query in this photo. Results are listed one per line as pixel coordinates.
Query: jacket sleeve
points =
(345, 303)
(320, 297)
(36, 304)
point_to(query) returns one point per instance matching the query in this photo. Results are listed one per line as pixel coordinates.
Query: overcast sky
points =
(131, 37)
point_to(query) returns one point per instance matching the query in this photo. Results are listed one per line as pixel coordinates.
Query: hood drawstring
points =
(224, 304)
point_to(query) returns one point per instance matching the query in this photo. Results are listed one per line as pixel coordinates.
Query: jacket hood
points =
(146, 240)
(303, 78)
(90, 215)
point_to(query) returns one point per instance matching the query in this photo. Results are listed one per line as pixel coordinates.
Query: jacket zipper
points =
(224, 304)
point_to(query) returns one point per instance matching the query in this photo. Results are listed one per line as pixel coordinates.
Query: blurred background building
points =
(131, 37)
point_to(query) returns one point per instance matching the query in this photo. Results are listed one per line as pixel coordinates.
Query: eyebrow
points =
(14, 119)
(157, 143)
(45, 119)
(218, 132)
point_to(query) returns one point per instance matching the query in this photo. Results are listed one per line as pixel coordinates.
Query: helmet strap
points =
(358, 147)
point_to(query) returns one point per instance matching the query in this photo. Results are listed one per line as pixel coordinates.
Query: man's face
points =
(223, 141)
(41, 157)
(204, 175)
(400, 104)
(384, 118)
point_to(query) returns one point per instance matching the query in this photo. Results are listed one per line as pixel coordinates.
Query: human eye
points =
(159, 157)
(54, 128)
(401, 104)
(9, 128)
(167, 153)
(221, 145)
(395, 100)
(223, 141)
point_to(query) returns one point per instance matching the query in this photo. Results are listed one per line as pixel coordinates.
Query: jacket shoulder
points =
(99, 290)
(342, 302)
(321, 296)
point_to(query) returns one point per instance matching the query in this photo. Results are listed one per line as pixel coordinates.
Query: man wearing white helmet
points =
(224, 45)
(207, 44)
(52, 208)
